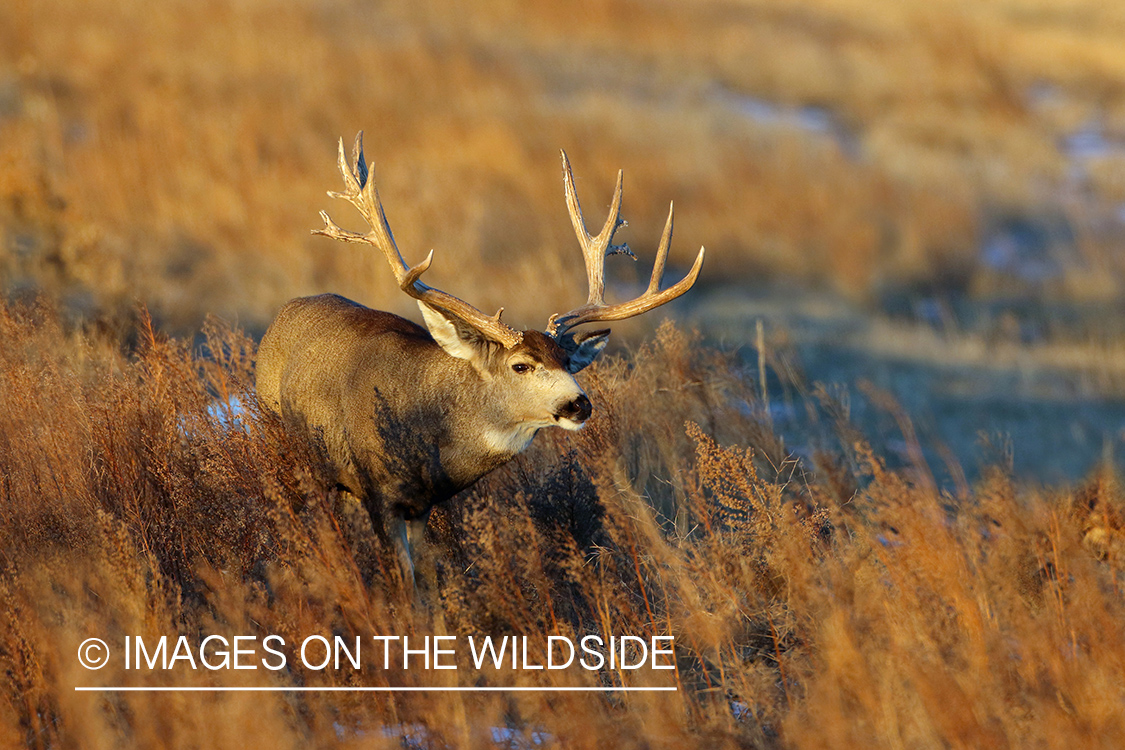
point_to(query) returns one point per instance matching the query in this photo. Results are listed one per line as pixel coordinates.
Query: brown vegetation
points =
(835, 605)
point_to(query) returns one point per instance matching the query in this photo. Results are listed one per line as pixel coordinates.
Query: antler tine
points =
(361, 192)
(661, 253)
(361, 169)
(594, 251)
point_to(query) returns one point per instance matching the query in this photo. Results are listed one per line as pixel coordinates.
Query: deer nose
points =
(578, 410)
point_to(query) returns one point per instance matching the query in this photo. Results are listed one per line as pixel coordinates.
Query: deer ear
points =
(587, 347)
(455, 336)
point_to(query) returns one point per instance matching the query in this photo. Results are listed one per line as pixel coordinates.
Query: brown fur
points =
(405, 424)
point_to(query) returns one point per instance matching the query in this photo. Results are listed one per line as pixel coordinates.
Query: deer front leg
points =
(416, 532)
(398, 531)
(407, 535)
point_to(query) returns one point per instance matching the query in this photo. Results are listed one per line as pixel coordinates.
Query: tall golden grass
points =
(826, 603)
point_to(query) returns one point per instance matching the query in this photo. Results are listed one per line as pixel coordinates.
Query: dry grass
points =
(179, 154)
(835, 605)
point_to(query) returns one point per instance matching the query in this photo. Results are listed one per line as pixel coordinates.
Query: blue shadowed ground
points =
(995, 390)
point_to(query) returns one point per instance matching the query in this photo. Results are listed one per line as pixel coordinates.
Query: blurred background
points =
(922, 205)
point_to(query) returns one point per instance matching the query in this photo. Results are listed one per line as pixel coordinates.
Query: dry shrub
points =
(144, 493)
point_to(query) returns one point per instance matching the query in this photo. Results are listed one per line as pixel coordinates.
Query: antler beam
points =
(361, 192)
(595, 250)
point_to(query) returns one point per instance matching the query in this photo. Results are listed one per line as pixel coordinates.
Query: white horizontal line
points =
(331, 689)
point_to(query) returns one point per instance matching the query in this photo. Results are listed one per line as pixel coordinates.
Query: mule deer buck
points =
(408, 416)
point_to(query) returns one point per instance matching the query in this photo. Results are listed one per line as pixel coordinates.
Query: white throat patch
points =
(512, 440)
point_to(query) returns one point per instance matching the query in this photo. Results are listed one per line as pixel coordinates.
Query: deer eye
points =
(521, 367)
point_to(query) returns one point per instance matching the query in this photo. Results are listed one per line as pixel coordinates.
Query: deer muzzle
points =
(577, 410)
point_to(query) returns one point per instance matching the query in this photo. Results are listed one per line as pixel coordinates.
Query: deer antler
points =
(362, 193)
(595, 250)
